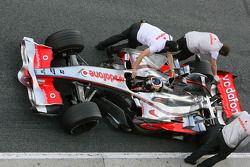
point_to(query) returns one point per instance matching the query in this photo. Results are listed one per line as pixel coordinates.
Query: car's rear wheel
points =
(65, 41)
(81, 117)
(203, 67)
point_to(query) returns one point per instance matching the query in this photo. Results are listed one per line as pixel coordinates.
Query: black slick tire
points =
(65, 41)
(81, 117)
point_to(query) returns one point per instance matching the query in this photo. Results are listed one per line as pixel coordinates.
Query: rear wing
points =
(229, 96)
(41, 90)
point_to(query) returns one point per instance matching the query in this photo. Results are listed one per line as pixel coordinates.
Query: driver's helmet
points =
(153, 84)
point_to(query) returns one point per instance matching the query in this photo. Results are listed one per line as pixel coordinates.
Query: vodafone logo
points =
(52, 95)
(45, 57)
(103, 76)
(231, 94)
(84, 73)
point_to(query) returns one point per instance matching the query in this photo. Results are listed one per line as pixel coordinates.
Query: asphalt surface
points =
(23, 131)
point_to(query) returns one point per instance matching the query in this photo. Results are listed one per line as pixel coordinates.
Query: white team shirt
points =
(238, 131)
(153, 37)
(203, 43)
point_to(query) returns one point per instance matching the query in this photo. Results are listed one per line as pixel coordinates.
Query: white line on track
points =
(104, 155)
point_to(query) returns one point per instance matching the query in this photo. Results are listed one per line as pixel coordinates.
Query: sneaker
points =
(186, 160)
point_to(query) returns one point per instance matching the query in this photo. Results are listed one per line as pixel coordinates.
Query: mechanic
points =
(139, 34)
(201, 43)
(224, 141)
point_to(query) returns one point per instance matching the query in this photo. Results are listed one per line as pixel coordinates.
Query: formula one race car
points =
(59, 81)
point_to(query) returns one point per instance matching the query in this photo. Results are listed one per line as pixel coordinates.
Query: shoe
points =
(186, 160)
(99, 47)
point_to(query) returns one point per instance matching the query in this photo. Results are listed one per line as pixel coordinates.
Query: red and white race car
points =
(59, 81)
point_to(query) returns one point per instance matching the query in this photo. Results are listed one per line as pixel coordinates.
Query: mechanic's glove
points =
(216, 79)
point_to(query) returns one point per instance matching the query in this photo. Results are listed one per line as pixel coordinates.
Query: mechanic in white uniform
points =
(203, 44)
(139, 34)
(224, 141)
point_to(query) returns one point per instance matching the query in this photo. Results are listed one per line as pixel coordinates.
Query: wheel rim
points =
(83, 127)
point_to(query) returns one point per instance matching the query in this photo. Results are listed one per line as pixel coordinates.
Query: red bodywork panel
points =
(42, 59)
(52, 96)
(164, 68)
(228, 94)
(174, 127)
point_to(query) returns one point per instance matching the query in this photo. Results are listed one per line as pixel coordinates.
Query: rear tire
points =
(203, 67)
(65, 41)
(81, 117)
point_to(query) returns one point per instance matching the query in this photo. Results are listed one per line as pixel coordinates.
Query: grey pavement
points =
(112, 160)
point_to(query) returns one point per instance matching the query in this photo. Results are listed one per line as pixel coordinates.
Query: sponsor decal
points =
(85, 73)
(102, 75)
(229, 95)
(160, 36)
(62, 71)
(152, 112)
(42, 71)
(212, 38)
(243, 124)
(37, 58)
(52, 95)
(53, 71)
(45, 57)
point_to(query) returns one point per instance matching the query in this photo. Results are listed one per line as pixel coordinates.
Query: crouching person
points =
(224, 142)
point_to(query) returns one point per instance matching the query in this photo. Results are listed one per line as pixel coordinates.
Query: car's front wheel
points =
(81, 117)
(65, 41)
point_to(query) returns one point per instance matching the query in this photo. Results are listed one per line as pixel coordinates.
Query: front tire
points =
(65, 41)
(81, 117)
